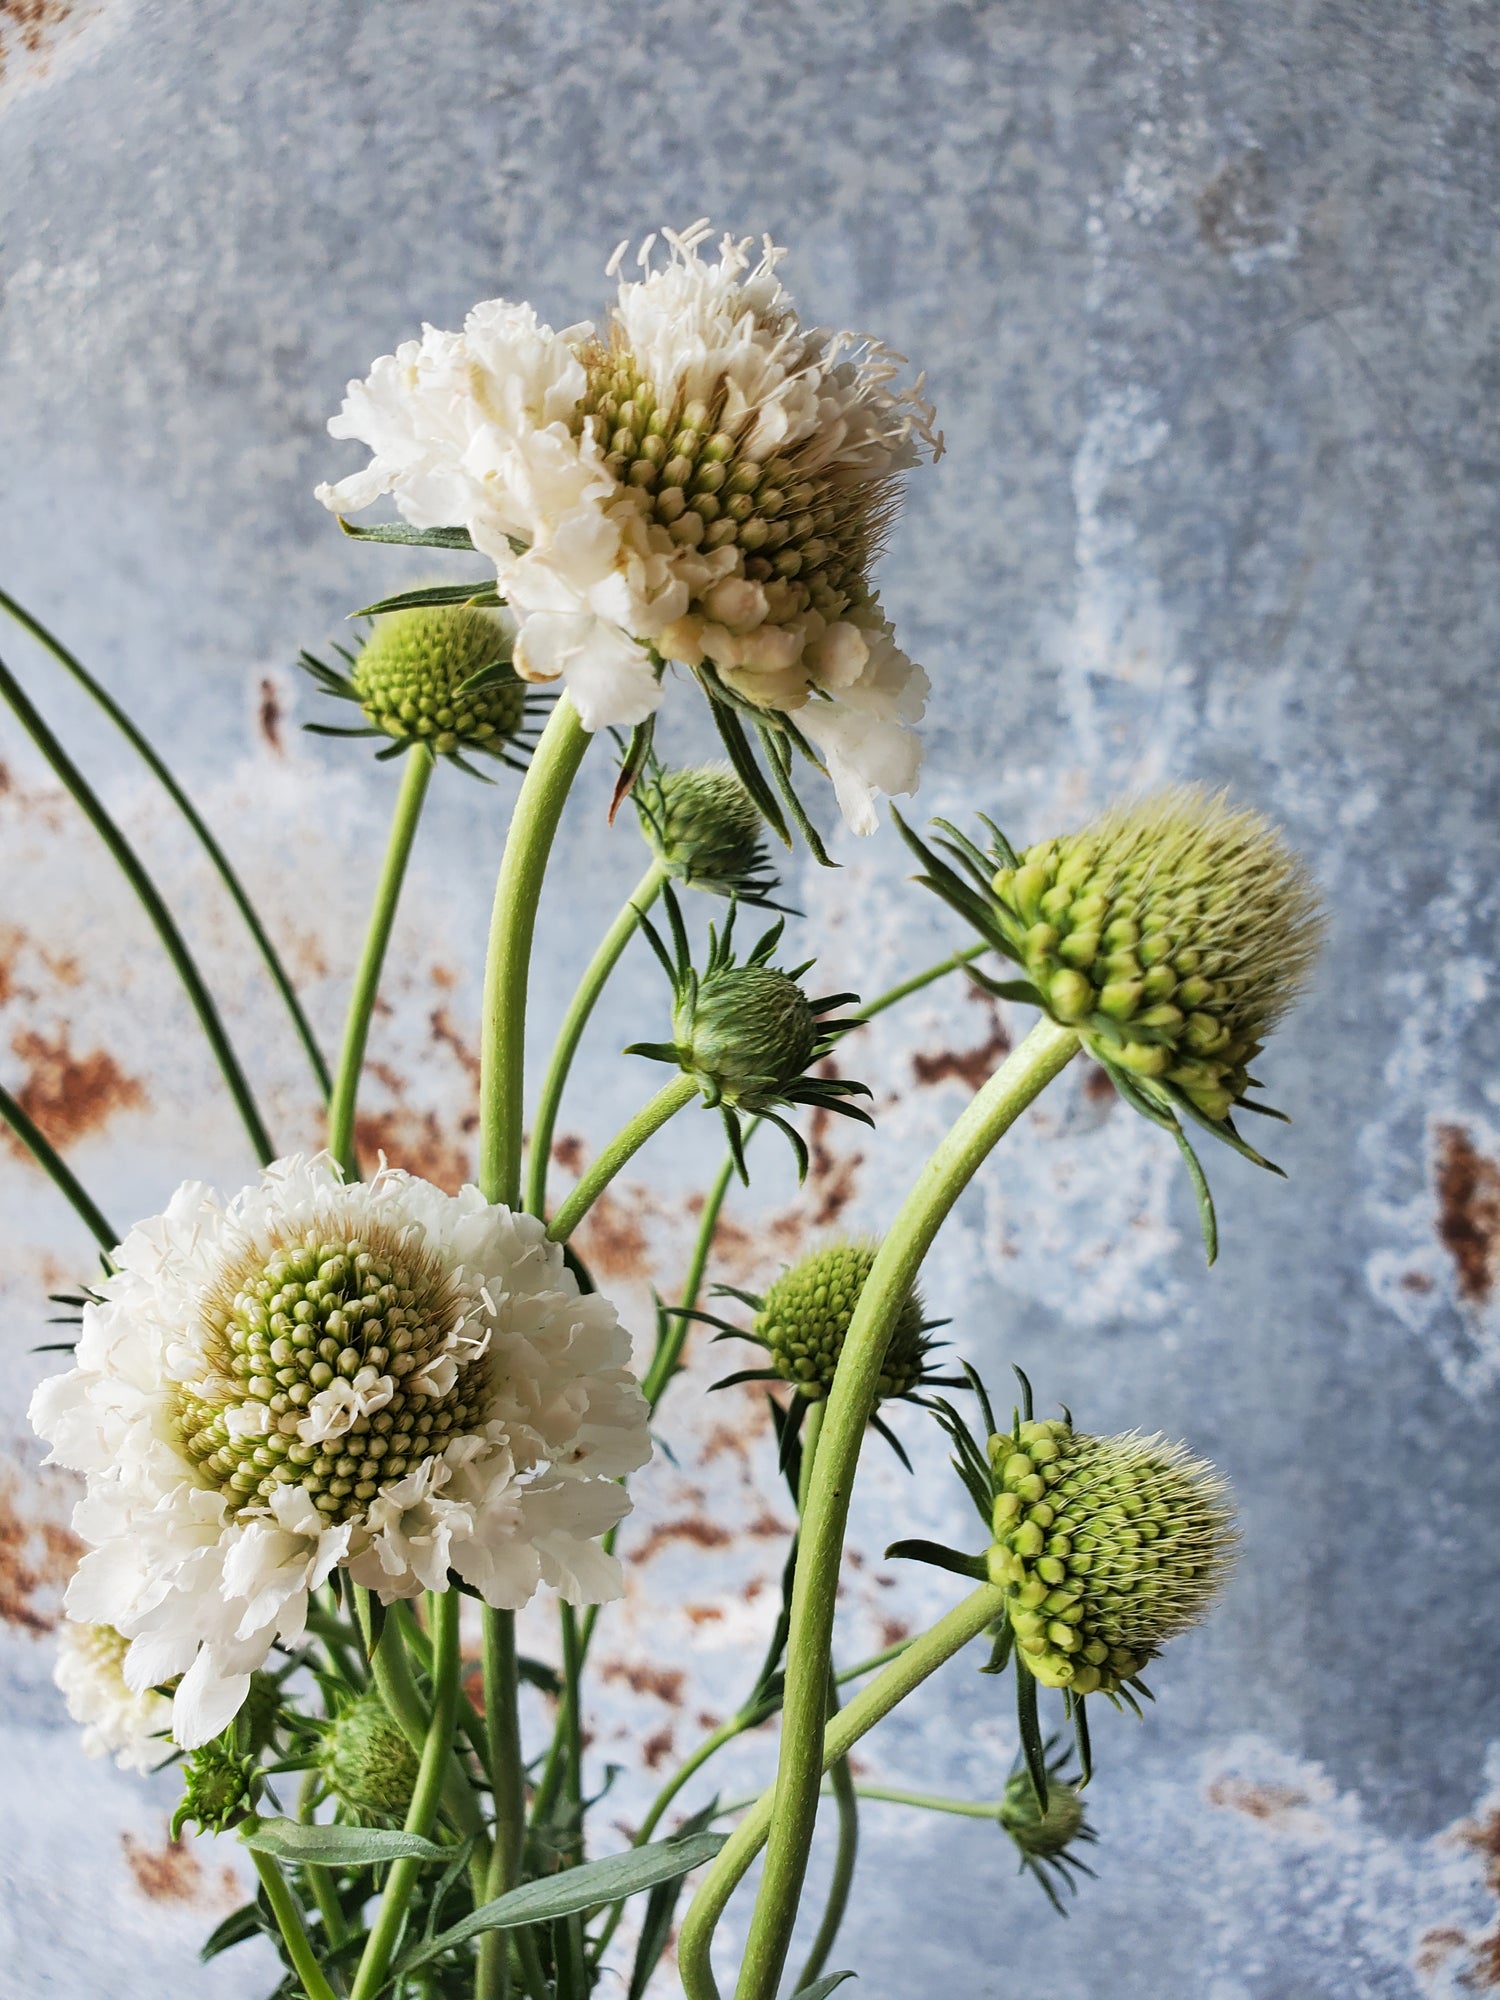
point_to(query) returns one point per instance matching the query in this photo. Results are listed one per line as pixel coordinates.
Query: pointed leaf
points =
(337, 1846)
(433, 593)
(1208, 1222)
(411, 538)
(919, 1550)
(824, 1987)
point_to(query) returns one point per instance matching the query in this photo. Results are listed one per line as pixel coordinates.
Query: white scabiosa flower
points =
(701, 480)
(118, 1721)
(379, 1376)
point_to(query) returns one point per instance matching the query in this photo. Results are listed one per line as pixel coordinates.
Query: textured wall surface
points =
(1205, 296)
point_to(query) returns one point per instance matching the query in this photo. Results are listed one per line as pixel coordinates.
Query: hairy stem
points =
(921, 1658)
(415, 779)
(58, 1172)
(508, 1784)
(1018, 1081)
(628, 1141)
(580, 1007)
(150, 896)
(219, 861)
(288, 1915)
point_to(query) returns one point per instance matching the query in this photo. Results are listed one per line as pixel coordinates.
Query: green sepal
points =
(779, 757)
(410, 538)
(1032, 1746)
(824, 1986)
(432, 593)
(939, 1557)
(1208, 1222)
(635, 760)
(1002, 1643)
(742, 757)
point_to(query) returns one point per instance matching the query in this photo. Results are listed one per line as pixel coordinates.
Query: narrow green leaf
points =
(939, 1557)
(432, 593)
(245, 1922)
(606, 1881)
(410, 538)
(337, 1846)
(1032, 1746)
(742, 757)
(661, 1907)
(824, 1987)
(1208, 1222)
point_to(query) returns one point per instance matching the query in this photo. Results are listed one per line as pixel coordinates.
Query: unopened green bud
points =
(1114, 1546)
(367, 1762)
(1042, 1836)
(1173, 933)
(806, 1316)
(441, 675)
(260, 1712)
(220, 1789)
(704, 828)
(746, 1034)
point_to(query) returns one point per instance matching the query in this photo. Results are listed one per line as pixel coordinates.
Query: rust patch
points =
(703, 1614)
(1262, 1802)
(416, 1141)
(765, 1526)
(657, 1748)
(664, 1682)
(569, 1152)
(612, 1238)
(968, 1066)
(447, 1036)
(26, 25)
(269, 713)
(36, 1560)
(70, 1095)
(1436, 1945)
(893, 1631)
(1096, 1086)
(170, 1874)
(1234, 208)
(1468, 1196)
(703, 1534)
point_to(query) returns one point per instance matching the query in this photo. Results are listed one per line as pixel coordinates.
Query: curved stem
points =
(58, 1171)
(922, 1657)
(933, 1802)
(288, 1915)
(918, 980)
(845, 1856)
(580, 1007)
(669, 1350)
(151, 899)
(280, 977)
(1020, 1079)
(502, 1049)
(415, 779)
(625, 1144)
(442, 1611)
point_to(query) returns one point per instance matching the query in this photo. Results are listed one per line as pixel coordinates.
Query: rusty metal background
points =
(1205, 294)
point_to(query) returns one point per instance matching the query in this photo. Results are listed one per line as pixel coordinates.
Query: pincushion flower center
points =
(330, 1363)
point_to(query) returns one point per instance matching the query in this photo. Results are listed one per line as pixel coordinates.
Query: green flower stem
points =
(868, 1666)
(518, 887)
(580, 1007)
(318, 1878)
(627, 1142)
(1019, 1080)
(419, 762)
(437, 1751)
(58, 1172)
(150, 896)
(508, 1785)
(918, 980)
(921, 1658)
(288, 1915)
(393, 1677)
(280, 977)
(931, 1802)
(664, 1362)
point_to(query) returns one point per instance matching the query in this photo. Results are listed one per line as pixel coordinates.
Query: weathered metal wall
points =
(1205, 295)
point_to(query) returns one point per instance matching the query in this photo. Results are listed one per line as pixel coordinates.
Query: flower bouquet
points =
(336, 1430)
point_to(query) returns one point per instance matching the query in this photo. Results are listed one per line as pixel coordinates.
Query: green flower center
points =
(414, 673)
(367, 1761)
(806, 1317)
(370, 1311)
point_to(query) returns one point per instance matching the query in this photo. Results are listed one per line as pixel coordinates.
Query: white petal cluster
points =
(118, 1721)
(201, 1575)
(612, 562)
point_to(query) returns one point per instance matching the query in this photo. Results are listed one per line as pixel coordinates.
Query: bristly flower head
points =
(747, 1034)
(127, 1724)
(1047, 1833)
(367, 1762)
(701, 479)
(1172, 933)
(440, 675)
(705, 829)
(381, 1377)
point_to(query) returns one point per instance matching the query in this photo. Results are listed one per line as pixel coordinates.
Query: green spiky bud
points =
(1106, 1547)
(220, 1788)
(745, 1034)
(805, 1317)
(1042, 1835)
(1172, 933)
(367, 1762)
(260, 1711)
(441, 675)
(704, 828)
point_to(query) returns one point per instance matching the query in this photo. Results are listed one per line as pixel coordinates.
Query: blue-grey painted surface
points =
(1205, 297)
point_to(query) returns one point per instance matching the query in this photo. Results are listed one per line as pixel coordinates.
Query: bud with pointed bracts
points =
(367, 1763)
(747, 1033)
(441, 675)
(221, 1786)
(1048, 1832)
(705, 830)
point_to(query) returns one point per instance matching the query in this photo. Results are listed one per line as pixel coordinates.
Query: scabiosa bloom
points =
(380, 1377)
(701, 479)
(125, 1723)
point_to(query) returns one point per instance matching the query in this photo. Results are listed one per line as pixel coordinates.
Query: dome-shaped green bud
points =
(806, 1313)
(1042, 1834)
(441, 675)
(220, 1787)
(745, 1033)
(704, 828)
(260, 1711)
(1172, 933)
(1106, 1547)
(367, 1762)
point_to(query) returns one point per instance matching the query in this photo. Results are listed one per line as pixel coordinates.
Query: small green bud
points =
(260, 1712)
(805, 1316)
(367, 1762)
(1107, 1547)
(1210, 924)
(704, 828)
(1042, 1836)
(441, 675)
(220, 1789)
(746, 1034)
